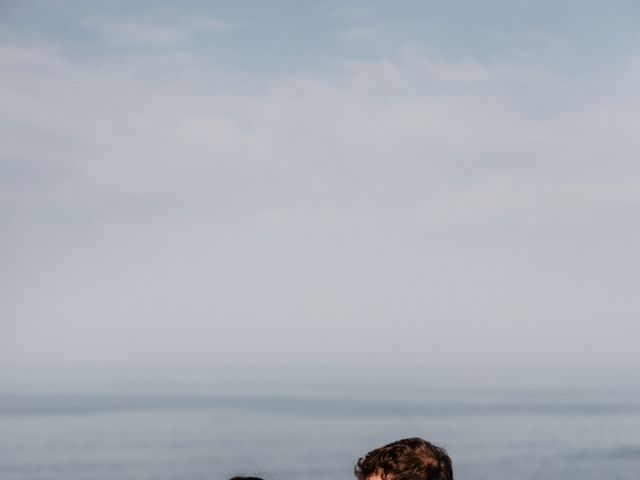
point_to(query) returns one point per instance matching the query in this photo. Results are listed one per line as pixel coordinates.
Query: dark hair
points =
(245, 478)
(407, 459)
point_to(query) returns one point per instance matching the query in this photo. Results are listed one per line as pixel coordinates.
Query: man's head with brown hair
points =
(407, 459)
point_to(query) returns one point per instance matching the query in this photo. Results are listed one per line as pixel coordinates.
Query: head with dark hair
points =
(407, 459)
(245, 478)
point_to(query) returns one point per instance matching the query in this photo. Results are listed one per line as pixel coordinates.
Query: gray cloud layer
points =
(160, 207)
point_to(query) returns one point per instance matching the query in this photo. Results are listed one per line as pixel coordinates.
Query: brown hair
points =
(407, 459)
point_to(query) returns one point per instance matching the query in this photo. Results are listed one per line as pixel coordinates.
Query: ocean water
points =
(313, 423)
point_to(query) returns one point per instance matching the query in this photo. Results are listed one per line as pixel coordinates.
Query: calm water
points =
(314, 423)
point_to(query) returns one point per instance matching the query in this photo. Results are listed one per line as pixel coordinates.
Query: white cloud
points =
(154, 186)
(398, 132)
(149, 32)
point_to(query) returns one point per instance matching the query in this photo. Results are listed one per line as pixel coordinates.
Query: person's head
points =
(407, 459)
(245, 478)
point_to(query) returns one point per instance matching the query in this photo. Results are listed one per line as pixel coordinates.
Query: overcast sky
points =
(430, 182)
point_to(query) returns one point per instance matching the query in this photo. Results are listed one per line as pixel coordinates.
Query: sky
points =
(319, 183)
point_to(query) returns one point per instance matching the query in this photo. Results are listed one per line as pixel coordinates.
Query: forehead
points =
(375, 476)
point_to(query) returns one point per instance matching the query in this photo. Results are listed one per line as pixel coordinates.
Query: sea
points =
(304, 423)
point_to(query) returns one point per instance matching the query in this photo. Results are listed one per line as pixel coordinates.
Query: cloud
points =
(147, 32)
(302, 204)
(514, 141)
